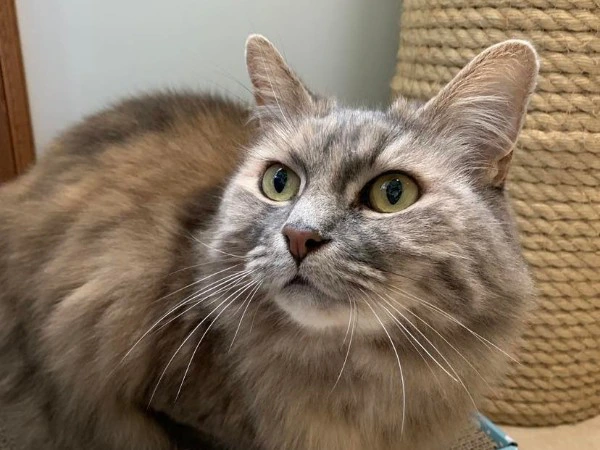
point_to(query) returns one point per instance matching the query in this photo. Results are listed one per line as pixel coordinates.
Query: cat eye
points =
(391, 192)
(280, 183)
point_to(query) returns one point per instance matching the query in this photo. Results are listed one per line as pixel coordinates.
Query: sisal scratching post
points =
(554, 184)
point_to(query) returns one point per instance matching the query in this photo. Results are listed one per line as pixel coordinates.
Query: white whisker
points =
(173, 309)
(195, 283)
(353, 322)
(190, 334)
(214, 285)
(252, 294)
(239, 292)
(216, 249)
(229, 284)
(447, 342)
(439, 353)
(397, 359)
(253, 317)
(419, 352)
(458, 322)
(198, 265)
(349, 323)
(400, 324)
(457, 379)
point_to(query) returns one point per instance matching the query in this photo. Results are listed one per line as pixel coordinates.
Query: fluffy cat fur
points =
(144, 297)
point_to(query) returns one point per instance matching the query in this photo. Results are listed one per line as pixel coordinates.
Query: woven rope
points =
(474, 439)
(555, 183)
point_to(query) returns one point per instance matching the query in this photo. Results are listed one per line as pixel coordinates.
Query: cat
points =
(185, 271)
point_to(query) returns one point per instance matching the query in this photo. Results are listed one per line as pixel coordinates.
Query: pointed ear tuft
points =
(278, 92)
(485, 105)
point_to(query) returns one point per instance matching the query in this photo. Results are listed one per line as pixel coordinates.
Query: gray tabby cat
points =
(175, 276)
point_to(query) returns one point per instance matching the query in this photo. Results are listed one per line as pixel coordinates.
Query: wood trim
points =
(16, 137)
(7, 162)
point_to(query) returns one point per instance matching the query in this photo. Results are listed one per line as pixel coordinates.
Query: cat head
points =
(388, 213)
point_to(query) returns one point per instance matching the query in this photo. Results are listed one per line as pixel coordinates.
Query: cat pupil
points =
(280, 180)
(393, 191)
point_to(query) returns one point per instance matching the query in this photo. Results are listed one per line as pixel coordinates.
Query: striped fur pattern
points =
(145, 296)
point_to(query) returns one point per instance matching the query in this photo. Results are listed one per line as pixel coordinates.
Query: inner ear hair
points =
(483, 108)
(278, 92)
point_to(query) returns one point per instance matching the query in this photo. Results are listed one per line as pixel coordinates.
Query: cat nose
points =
(302, 241)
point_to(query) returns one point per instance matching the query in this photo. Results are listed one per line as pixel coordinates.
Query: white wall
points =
(82, 54)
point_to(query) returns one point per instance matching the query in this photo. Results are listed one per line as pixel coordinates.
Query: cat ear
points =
(484, 106)
(278, 92)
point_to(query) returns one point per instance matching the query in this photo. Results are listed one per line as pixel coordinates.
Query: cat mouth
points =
(299, 280)
(303, 285)
(300, 284)
(311, 307)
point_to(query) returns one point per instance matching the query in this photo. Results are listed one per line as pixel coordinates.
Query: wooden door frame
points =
(16, 137)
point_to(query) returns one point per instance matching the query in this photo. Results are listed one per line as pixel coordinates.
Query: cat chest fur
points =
(297, 399)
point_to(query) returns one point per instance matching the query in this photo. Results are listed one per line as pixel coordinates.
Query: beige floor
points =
(582, 436)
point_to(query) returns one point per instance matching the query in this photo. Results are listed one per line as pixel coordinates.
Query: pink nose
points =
(302, 241)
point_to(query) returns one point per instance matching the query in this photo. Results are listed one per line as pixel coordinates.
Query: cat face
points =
(393, 215)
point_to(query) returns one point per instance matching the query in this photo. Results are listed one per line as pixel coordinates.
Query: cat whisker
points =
(357, 282)
(457, 377)
(206, 289)
(252, 294)
(220, 282)
(216, 249)
(482, 339)
(168, 313)
(187, 338)
(407, 331)
(387, 272)
(397, 359)
(446, 341)
(195, 283)
(239, 292)
(231, 283)
(193, 266)
(420, 353)
(353, 322)
(363, 269)
(228, 285)
(349, 321)
(253, 318)
(243, 303)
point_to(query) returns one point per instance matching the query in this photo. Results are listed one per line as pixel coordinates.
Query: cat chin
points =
(312, 311)
(316, 312)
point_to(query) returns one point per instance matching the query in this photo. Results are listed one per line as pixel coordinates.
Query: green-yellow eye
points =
(280, 183)
(392, 192)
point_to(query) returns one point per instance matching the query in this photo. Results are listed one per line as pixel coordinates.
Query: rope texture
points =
(554, 184)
